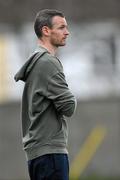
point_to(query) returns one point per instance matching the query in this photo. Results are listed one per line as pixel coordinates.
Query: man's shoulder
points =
(50, 62)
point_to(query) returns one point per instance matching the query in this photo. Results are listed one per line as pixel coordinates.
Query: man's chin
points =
(62, 44)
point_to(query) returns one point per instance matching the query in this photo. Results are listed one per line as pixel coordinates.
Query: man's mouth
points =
(65, 38)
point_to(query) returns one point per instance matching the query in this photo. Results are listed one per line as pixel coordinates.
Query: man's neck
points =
(51, 49)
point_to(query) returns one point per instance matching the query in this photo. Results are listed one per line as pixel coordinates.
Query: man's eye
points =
(62, 27)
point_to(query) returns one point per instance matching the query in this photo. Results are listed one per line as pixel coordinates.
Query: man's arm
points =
(59, 93)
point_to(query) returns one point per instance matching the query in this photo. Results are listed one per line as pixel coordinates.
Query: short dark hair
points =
(44, 18)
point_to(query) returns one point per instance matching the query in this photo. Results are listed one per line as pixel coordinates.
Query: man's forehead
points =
(59, 20)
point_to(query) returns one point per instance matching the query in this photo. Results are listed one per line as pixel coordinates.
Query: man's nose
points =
(66, 32)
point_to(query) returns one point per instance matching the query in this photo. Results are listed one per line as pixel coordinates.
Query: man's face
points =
(58, 32)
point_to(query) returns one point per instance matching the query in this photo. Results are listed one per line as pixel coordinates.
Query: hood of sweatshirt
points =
(24, 71)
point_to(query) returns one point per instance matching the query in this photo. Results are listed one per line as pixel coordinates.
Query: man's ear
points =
(46, 30)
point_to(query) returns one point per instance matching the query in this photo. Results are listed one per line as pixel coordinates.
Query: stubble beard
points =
(57, 44)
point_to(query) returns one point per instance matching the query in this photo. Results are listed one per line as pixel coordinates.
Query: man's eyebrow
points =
(64, 25)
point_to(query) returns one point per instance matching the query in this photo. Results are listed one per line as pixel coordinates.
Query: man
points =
(46, 101)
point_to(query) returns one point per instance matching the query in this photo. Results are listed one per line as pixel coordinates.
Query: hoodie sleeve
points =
(59, 93)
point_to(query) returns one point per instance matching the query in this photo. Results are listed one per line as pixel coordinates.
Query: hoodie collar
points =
(24, 71)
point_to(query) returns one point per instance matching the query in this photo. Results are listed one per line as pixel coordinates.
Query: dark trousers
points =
(49, 167)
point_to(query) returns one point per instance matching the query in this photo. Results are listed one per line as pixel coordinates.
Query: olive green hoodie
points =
(46, 101)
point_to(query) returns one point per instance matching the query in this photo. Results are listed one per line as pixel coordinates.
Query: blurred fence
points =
(91, 59)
